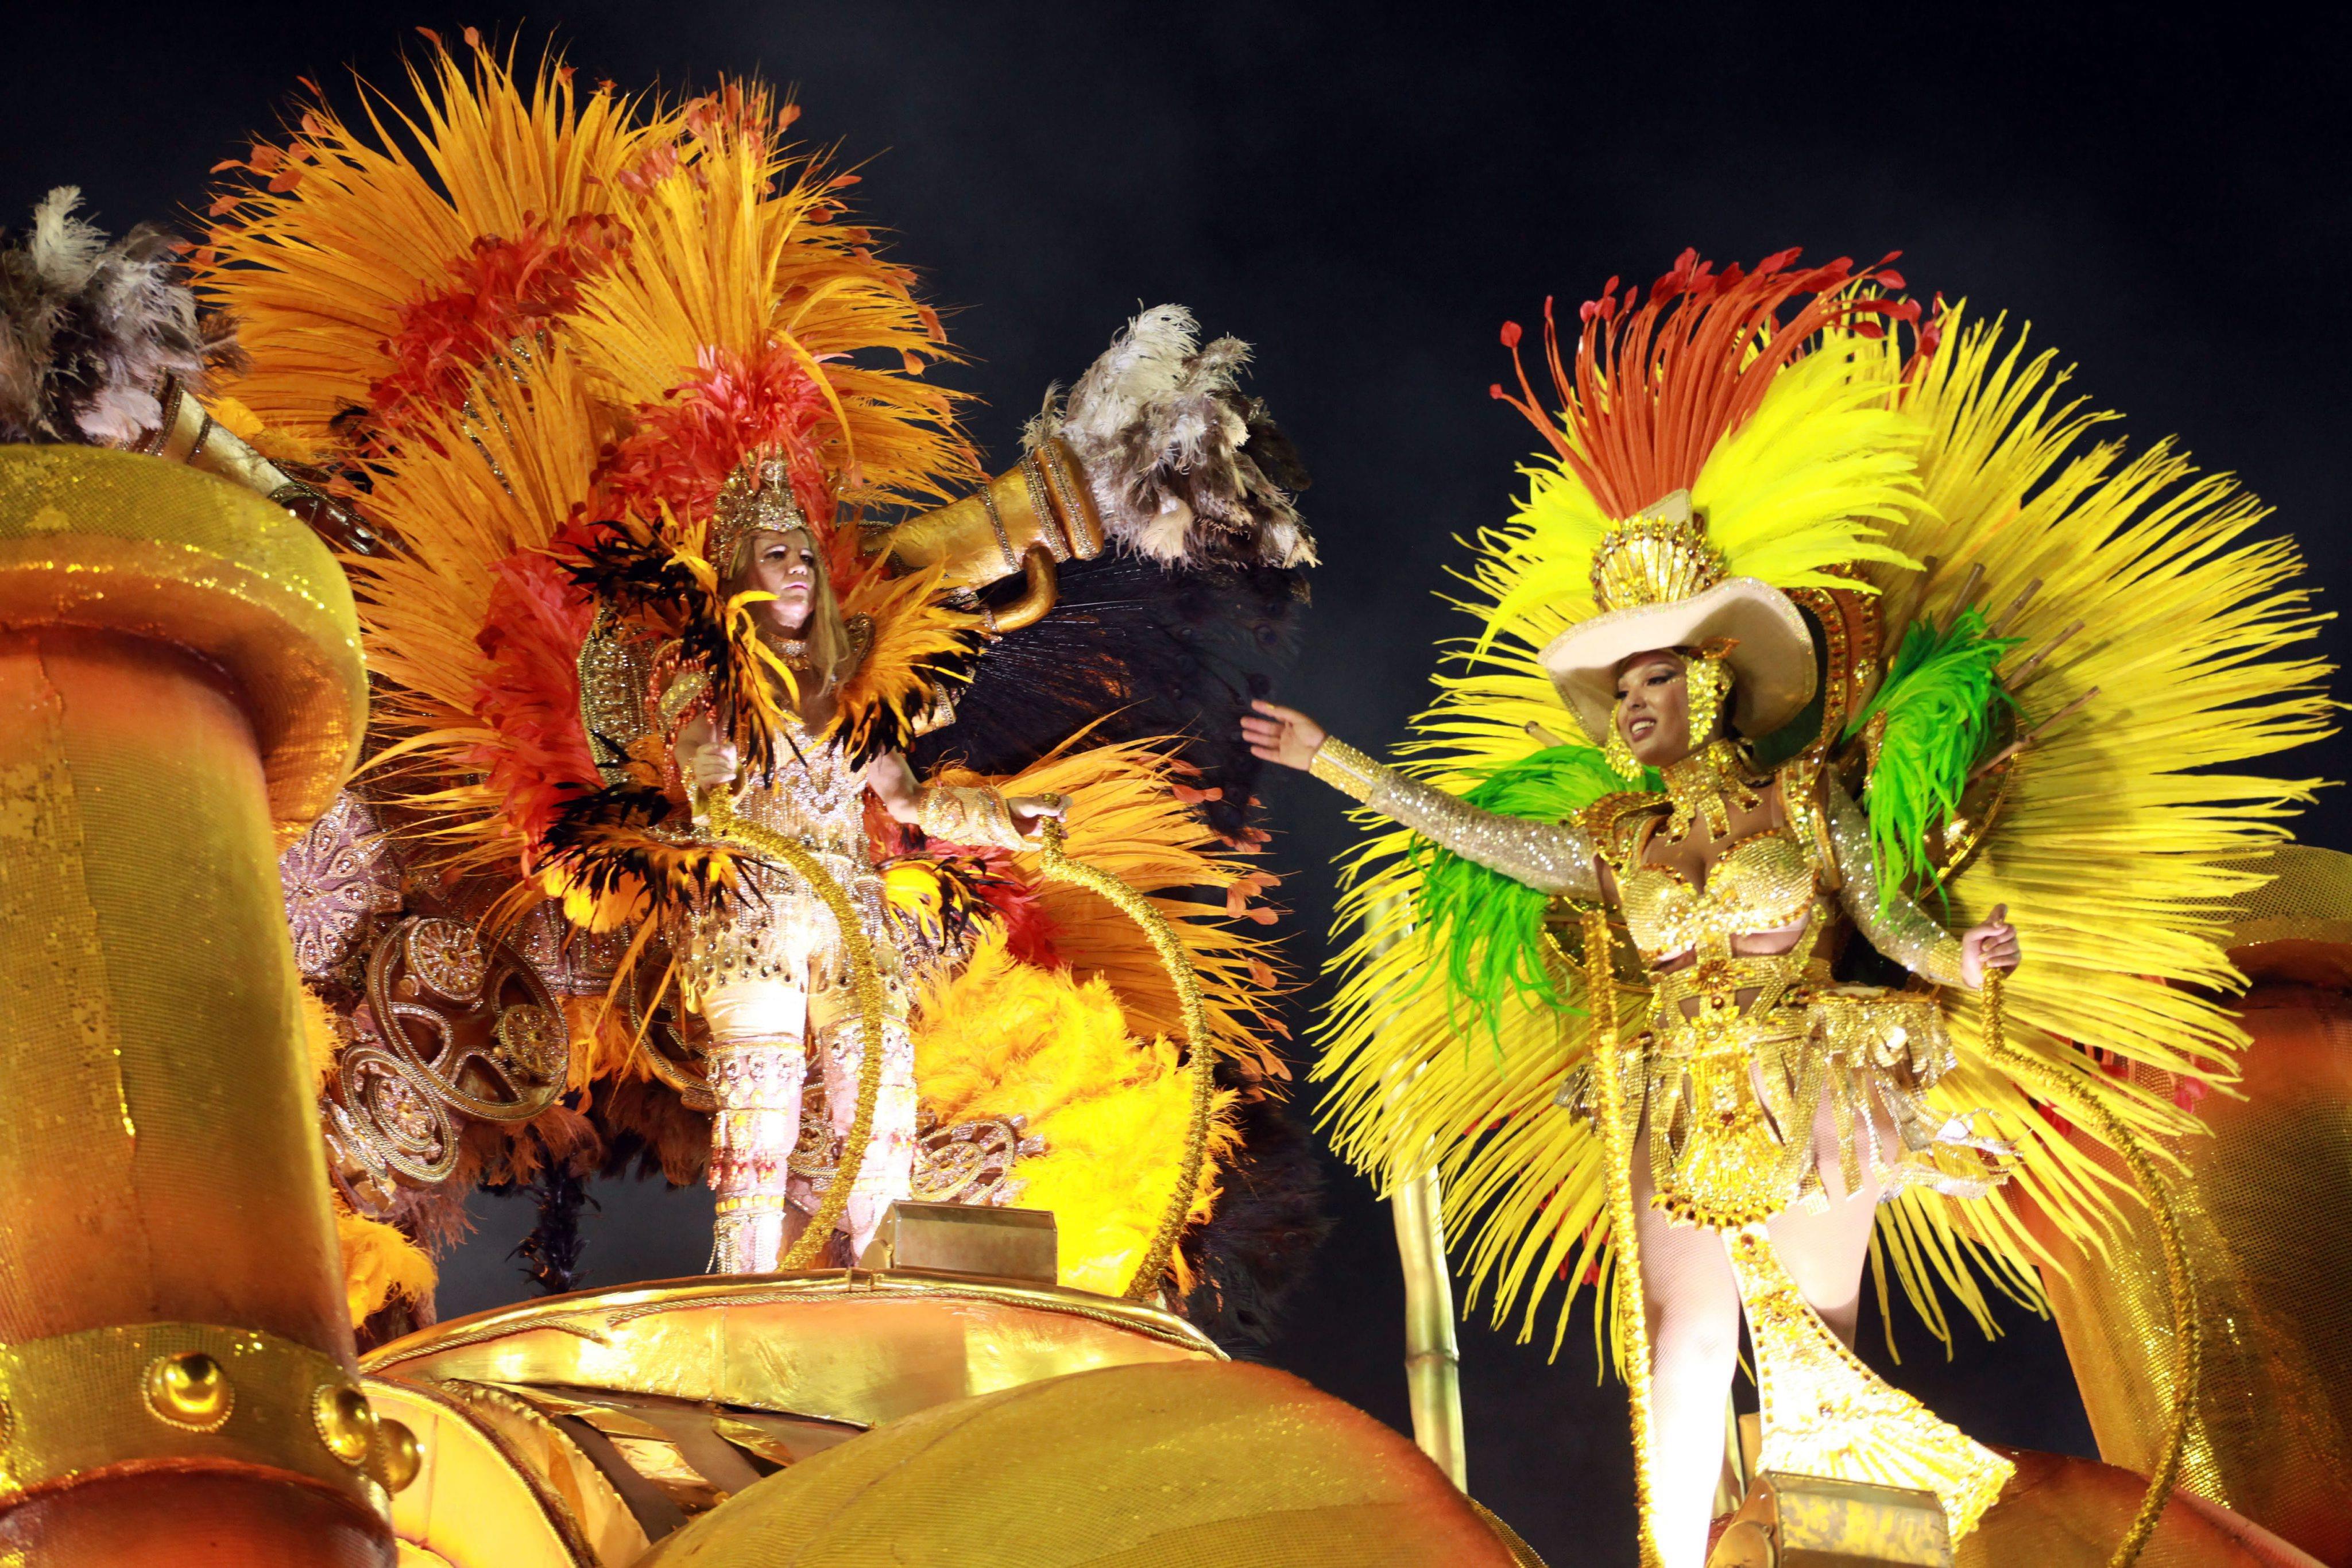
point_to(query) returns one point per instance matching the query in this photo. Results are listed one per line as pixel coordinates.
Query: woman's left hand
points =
(1028, 810)
(1992, 946)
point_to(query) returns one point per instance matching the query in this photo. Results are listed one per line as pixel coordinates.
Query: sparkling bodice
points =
(1764, 884)
(814, 795)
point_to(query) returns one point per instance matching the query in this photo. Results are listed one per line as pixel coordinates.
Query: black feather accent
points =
(626, 565)
(599, 843)
(1258, 1246)
(551, 1253)
(1147, 651)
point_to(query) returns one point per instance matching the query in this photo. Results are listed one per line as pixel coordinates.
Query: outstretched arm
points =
(1550, 857)
(960, 815)
(1901, 929)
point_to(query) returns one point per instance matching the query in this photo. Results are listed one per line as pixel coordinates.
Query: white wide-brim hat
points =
(1771, 656)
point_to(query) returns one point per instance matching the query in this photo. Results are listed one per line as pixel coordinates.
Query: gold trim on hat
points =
(1661, 555)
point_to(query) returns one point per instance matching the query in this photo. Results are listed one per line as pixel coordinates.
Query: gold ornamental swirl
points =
(1059, 867)
(2157, 1195)
(1633, 1328)
(718, 809)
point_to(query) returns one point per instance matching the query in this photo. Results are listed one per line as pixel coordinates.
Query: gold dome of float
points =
(1197, 1463)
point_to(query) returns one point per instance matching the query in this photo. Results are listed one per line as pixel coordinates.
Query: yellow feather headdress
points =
(1708, 454)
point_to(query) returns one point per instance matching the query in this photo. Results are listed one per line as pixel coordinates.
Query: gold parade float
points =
(180, 1381)
(402, 792)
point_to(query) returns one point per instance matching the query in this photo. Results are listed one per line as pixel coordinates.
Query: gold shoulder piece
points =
(1800, 797)
(1615, 820)
(860, 629)
(615, 673)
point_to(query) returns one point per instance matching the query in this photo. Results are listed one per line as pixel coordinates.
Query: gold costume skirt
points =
(1729, 1096)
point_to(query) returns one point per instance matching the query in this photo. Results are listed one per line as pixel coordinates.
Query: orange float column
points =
(2261, 1202)
(180, 691)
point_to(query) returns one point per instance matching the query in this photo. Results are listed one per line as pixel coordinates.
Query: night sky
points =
(1366, 200)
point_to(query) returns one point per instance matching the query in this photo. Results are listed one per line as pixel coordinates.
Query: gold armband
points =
(680, 694)
(965, 814)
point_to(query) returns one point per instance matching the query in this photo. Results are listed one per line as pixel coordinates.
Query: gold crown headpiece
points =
(757, 498)
(1661, 555)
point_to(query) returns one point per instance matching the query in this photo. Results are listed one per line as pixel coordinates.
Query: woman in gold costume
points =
(1847, 634)
(1762, 1078)
(768, 971)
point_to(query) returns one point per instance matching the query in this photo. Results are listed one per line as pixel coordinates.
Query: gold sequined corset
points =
(1764, 884)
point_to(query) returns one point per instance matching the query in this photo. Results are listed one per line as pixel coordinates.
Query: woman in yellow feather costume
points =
(1770, 556)
(622, 393)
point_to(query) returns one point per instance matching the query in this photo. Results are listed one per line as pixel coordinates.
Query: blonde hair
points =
(831, 656)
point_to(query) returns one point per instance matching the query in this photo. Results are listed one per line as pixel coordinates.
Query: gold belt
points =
(1717, 1157)
(1716, 984)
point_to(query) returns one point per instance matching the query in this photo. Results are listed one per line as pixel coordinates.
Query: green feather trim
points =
(1489, 928)
(1939, 700)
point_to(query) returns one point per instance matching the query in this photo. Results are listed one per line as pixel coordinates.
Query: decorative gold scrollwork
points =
(461, 1028)
(971, 1163)
(441, 995)
(671, 1040)
(446, 957)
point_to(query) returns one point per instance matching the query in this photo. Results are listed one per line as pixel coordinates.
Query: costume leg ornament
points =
(1059, 867)
(759, 1057)
(725, 826)
(887, 1173)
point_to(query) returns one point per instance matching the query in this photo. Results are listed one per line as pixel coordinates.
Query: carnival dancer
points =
(678, 562)
(1716, 559)
(767, 970)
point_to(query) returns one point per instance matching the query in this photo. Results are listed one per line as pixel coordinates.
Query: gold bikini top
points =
(1765, 884)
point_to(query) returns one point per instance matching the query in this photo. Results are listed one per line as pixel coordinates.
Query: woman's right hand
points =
(705, 761)
(1284, 734)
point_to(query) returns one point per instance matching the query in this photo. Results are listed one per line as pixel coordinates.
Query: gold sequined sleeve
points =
(1902, 930)
(1550, 857)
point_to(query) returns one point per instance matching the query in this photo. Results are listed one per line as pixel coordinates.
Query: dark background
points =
(1366, 197)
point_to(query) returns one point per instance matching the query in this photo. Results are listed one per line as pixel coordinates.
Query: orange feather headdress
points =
(536, 328)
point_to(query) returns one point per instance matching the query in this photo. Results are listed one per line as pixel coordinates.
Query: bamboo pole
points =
(1433, 1357)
